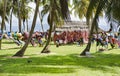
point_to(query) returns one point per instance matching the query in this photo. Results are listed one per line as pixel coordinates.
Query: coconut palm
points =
(3, 15)
(25, 11)
(58, 10)
(80, 7)
(41, 20)
(3, 18)
(21, 10)
(7, 10)
(110, 7)
(112, 12)
(19, 17)
(15, 9)
(21, 52)
(12, 6)
(11, 14)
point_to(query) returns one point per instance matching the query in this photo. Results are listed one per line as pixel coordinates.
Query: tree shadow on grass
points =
(8, 42)
(12, 48)
(22, 66)
(59, 64)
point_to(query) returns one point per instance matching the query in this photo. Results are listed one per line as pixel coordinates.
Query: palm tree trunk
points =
(5, 27)
(27, 25)
(87, 49)
(46, 48)
(3, 20)
(20, 27)
(41, 20)
(19, 17)
(94, 26)
(11, 20)
(21, 52)
(24, 25)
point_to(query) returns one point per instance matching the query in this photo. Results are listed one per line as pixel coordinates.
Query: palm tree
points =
(27, 25)
(41, 20)
(3, 19)
(64, 13)
(21, 10)
(12, 3)
(2, 10)
(13, 6)
(80, 7)
(19, 17)
(110, 7)
(25, 10)
(49, 8)
(112, 12)
(11, 14)
(58, 10)
(21, 52)
(15, 9)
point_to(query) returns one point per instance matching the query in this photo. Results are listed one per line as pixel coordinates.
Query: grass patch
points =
(64, 61)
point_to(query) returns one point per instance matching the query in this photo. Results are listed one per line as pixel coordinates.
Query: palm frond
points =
(80, 7)
(100, 8)
(65, 9)
(93, 4)
(112, 12)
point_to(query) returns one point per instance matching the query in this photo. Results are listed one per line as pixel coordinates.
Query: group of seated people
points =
(21, 38)
(69, 37)
(66, 37)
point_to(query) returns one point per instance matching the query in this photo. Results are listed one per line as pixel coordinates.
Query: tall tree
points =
(12, 3)
(80, 7)
(58, 10)
(21, 52)
(50, 22)
(110, 8)
(41, 20)
(19, 17)
(25, 11)
(21, 10)
(3, 19)
(11, 14)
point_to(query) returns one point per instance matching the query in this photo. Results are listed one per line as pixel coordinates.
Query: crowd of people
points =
(21, 38)
(102, 39)
(69, 37)
(65, 37)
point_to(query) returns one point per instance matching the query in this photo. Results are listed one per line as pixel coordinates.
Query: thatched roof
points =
(72, 25)
(75, 26)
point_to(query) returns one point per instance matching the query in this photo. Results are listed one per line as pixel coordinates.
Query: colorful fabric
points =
(15, 36)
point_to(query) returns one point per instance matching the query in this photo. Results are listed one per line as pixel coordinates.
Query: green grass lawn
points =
(62, 61)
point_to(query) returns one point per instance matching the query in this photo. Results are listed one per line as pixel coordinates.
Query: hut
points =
(72, 26)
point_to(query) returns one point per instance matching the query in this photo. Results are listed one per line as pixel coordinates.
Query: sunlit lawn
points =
(62, 61)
